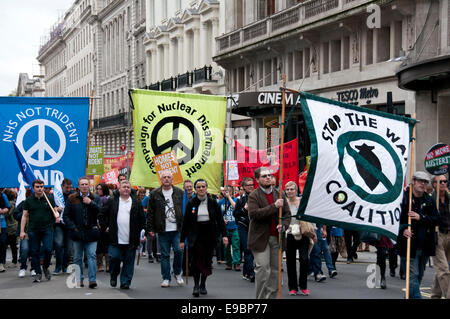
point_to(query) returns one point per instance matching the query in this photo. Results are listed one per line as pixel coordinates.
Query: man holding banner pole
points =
(39, 213)
(424, 218)
(263, 206)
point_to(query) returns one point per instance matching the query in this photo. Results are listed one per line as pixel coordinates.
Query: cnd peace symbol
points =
(41, 146)
(176, 142)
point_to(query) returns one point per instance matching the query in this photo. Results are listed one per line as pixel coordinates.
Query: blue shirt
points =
(2, 216)
(145, 201)
(228, 214)
(336, 231)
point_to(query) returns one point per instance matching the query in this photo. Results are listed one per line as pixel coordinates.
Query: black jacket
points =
(240, 213)
(108, 219)
(190, 227)
(423, 230)
(156, 210)
(81, 219)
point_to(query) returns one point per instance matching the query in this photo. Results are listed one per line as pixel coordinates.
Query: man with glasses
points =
(165, 217)
(243, 221)
(441, 284)
(263, 210)
(424, 218)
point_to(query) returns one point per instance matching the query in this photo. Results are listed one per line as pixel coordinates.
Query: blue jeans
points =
(315, 263)
(91, 247)
(3, 236)
(63, 247)
(416, 271)
(38, 238)
(249, 268)
(167, 240)
(24, 253)
(124, 254)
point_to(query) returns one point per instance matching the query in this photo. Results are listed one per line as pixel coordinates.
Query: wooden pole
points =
(280, 186)
(55, 213)
(408, 242)
(91, 99)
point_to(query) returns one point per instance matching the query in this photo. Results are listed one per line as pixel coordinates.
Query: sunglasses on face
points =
(265, 176)
(421, 181)
(443, 182)
(250, 185)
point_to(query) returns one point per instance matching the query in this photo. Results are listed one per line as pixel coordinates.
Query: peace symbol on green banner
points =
(392, 191)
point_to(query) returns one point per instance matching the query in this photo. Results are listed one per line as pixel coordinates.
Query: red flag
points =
(250, 159)
(302, 180)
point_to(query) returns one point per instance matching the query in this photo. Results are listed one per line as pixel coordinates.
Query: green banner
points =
(95, 161)
(192, 125)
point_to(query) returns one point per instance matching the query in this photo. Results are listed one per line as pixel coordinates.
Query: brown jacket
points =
(261, 213)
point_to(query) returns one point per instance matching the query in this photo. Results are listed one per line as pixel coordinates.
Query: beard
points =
(267, 186)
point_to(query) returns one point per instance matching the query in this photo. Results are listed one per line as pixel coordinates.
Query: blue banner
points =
(51, 133)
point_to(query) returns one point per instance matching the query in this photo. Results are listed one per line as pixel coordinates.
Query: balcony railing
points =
(184, 80)
(169, 84)
(154, 86)
(290, 18)
(285, 19)
(255, 30)
(114, 120)
(316, 7)
(203, 74)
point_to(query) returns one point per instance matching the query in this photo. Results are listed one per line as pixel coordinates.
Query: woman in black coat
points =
(202, 225)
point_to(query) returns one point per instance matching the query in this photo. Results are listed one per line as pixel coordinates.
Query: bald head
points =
(166, 179)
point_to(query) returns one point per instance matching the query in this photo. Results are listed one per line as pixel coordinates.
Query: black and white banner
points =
(358, 166)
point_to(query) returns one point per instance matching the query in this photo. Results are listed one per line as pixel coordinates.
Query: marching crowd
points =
(241, 226)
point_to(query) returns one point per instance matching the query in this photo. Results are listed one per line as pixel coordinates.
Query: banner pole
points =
(91, 98)
(408, 242)
(280, 187)
(55, 213)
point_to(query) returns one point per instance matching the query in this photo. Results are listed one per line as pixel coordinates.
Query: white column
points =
(149, 67)
(203, 44)
(180, 53)
(166, 61)
(172, 54)
(154, 65)
(159, 61)
(197, 44)
(148, 15)
(215, 33)
(187, 53)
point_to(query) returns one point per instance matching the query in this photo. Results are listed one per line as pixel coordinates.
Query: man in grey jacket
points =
(263, 210)
(165, 217)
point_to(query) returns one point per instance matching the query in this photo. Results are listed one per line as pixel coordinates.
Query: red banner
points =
(250, 159)
(111, 177)
(119, 162)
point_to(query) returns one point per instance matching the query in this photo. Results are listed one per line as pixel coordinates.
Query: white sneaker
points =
(33, 273)
(165, 284)
(2, 268)
(22, 273)
(180, 280)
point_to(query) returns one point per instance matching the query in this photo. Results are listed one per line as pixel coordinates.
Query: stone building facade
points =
(179, 45)
(347, 50)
